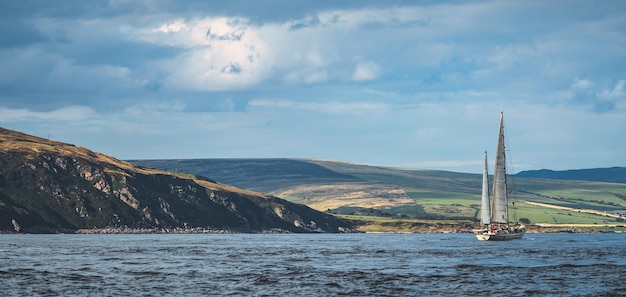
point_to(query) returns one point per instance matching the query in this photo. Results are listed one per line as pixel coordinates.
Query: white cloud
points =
(314, 57)
(581, 84)
(509, 55)
(616, 92)
(222, 53)
(226, 53)
(326, 107)
(426, 134)
(441, 74)
(366, 70)
(154, 108)
(431, 54)
(70, 113)
(316, 77)
(172, 27)
(351, 19)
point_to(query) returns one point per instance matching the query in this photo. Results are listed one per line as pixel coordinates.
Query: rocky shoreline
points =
(179, 231)
(146, 231)
(538, 229)
(533, 229)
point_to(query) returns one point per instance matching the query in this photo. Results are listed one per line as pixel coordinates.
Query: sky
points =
(412, 84)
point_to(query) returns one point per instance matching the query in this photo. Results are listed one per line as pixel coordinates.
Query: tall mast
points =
(499, 211)
(485, 214)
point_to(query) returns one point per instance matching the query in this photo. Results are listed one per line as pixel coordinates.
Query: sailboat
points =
(494, 214)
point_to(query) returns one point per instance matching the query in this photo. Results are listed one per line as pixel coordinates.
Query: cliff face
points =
(46, 186)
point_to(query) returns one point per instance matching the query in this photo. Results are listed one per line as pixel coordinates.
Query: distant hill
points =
(362, 190)
(335, 185)
(610, 175)
(48, 186)
(263, 175)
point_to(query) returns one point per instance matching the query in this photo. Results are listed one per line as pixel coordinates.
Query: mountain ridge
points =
(614, 174)
(401, 193)
(49, 186)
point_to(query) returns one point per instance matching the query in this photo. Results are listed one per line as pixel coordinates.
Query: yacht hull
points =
(499, 236)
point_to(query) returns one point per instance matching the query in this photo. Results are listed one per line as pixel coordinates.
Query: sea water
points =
(312, 265)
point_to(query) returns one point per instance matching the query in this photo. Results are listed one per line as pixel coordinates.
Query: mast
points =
(485, 215)
(499, 211)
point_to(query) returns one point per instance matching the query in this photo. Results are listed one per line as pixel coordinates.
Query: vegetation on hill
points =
(48, 186)
(408, 194)
(609, 175)
(263, 175)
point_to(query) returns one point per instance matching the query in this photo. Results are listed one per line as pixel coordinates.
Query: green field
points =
(441, 194)
(407, 194)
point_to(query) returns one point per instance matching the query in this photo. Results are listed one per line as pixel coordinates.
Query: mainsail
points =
(494, 217)
(485, 214)
(499, 213)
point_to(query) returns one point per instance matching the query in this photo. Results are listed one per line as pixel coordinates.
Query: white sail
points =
(495, 225)
(485, 214)
(499, 212)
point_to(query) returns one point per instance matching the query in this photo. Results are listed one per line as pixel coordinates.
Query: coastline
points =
(531, 229)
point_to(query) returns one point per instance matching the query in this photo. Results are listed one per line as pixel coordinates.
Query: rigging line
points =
(509, 177)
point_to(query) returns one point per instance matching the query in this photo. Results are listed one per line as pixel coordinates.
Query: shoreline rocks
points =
(531, 229)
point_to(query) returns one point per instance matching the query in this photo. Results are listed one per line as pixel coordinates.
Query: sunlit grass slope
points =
(406, 193)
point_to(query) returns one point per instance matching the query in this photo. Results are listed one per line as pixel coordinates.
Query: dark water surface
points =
(312, 265)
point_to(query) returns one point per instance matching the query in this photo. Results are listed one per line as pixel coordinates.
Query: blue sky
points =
(417, 84)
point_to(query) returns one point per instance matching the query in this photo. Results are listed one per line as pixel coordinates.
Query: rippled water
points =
(312, 264)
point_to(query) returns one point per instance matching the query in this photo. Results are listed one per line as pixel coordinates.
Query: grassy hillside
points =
(263, 175)
(352, 189)
(48, 186)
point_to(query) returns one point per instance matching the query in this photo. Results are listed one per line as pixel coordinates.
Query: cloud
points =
(154, 108)
(443, 164)
(596, 98)
(366, 70)
(325, 107)
(432, 54)
(615, 93)
(608, 99)
(222, 53)
(411, 82)
(425, 134)
(305, 50)
(316, 77)
(173, 26)
(351, 19)
(16, 33)
(581, 84)
(65, 114)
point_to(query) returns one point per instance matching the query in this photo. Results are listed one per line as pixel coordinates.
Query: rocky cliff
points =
(48, 186)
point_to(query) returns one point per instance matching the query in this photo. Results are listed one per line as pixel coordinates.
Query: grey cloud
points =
(121, 53)
(17, 33)
(233, 36)
(604, 106)
(70, 8)
(233, 67)
(305, 23)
